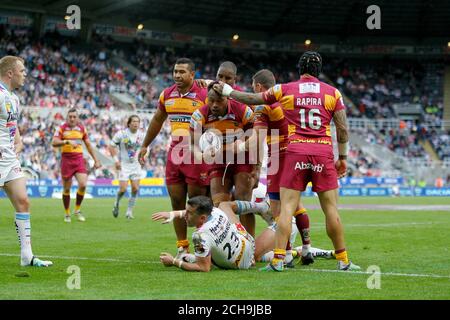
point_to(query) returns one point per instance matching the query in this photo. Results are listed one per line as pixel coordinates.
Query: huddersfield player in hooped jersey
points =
(309, 105)
(70, 136)
(270, 122)
(230, 119)
(183, 177)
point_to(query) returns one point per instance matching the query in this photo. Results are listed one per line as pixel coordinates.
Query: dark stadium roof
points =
(413, 18)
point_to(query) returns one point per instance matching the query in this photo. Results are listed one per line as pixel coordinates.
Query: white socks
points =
(23, 228)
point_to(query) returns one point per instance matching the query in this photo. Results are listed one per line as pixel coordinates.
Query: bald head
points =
(227, 73)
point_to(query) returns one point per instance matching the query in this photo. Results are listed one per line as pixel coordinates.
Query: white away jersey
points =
(129, 144)
(221, 239)
(9, 115)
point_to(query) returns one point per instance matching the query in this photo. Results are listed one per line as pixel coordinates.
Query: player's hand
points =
(166, 259)
(118, 166)
(165, 216)
(223, 89)
(141, 157)
(97, 164)
(203, 83)
(341, 167)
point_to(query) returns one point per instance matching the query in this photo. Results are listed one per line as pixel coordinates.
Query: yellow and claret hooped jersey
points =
(239, 117)
(272, 118)
(77, 133)
(308, 105)
(180, 107)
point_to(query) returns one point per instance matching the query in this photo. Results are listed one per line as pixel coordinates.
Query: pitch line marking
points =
(396, 274)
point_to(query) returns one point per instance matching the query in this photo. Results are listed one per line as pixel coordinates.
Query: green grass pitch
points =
(119, 259)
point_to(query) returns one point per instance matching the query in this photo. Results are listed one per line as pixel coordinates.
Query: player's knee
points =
(23, 204)
(134, 190)
(82, 186)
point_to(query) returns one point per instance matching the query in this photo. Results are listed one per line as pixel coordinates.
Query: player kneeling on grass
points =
(219, 238)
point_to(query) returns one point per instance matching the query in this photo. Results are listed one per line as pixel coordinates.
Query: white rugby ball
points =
(210, 140)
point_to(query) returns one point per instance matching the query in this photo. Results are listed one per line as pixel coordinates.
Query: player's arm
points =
(114, 149)
(18, 145)
(243, 97)
(195, 132)
(152, 131)
(168, 216)
(340, 121)
(201, 264)
(90, 150)
(58, 142)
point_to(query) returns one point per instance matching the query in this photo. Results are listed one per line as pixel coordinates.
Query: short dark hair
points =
(229, 65)
(202, 205)
(265, 78)
(311, 63)
(187, 61)
(73, 109)
(130, 118)
(211, 89)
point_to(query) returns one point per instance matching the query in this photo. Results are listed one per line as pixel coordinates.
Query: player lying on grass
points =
(221, 223)
(265, 242)
(219, 237)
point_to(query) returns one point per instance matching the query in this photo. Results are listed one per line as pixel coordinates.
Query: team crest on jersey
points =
(169, 103)
(198, 243)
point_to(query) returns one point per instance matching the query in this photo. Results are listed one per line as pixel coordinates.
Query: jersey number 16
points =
(314, 122)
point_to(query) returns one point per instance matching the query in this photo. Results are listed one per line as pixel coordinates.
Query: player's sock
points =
(131, 203)
(302, 222)
(23, 228)
(66, 202)
(341, 255)
(246, 207)
(267, 257)
(278, 256)
(118, 197)
(183, 244)
(80, 197)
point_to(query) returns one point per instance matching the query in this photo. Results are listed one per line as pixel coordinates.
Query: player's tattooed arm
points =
(340, 120)
(248, 98)
(243, 97)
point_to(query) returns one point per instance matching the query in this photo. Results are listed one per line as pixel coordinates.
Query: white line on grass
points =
(298, 269)
(386, 225)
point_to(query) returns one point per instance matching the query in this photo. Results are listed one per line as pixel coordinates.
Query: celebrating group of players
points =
(300, 152)
(213, 196)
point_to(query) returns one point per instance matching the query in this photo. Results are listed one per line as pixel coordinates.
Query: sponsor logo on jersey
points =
(309, 87)
(192, 95)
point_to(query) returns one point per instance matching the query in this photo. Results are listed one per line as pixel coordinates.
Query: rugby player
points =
(70, 137)
(12, 180)
(128, 142)
(229, 119)
(183, 177)
(219, 238)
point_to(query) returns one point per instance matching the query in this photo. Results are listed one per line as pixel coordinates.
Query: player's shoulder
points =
(328, 88)
(167, 92)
